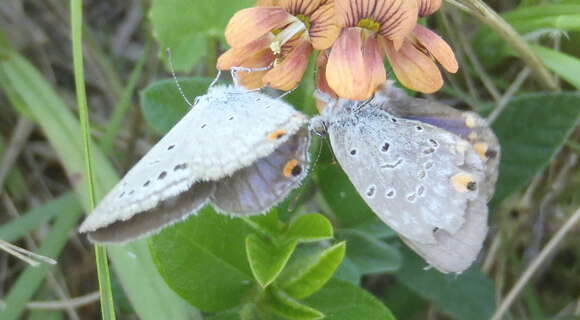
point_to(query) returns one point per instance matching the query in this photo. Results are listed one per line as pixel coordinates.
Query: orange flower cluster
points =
(353, 37)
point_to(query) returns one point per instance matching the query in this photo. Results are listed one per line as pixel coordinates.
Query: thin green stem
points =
(488, 16)
(76, 7)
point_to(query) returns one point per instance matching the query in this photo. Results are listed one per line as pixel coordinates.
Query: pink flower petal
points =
(287, 74)
(437, 47)
(355, 67)
(427, 7)
(414, 69)
(247, 25)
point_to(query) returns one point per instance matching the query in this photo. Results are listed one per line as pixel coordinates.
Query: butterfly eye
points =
(318, 127)
(353, 152)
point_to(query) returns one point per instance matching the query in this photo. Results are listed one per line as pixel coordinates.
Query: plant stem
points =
(488, 16)
(76, 7)
(535, 265)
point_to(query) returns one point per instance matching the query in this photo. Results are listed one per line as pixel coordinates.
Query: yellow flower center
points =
(369, 24)
(304, 20)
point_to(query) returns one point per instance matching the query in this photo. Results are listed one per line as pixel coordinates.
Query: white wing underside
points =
(409, 186)
(225, 131)
(456, 252)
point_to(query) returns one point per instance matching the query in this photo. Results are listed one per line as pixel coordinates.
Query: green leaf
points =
(537, 19)
(227, 315)
(266, 258)
(369, 254)
(186, 26)
(285, 306)
(541, 11)
(468, 296)
(531, 130)
(313, 276)
(309, 228)
(553, 16)
(375, 228)
(348, 271)
(162, 104)
(340, 300)
(203, 259)
(566, 66)
(21, 226)
(345, 202)
(404, 302)
(268, 224)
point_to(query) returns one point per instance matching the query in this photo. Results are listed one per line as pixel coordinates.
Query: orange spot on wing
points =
(470, 121)
(276, 134)
(462, 182)
(290, 165)
(481, 149)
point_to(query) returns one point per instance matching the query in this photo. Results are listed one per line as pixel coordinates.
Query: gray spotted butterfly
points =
(426, 169)
(240, 150)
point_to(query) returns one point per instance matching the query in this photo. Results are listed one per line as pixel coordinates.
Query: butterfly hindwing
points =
(267, 181)
(467, 125)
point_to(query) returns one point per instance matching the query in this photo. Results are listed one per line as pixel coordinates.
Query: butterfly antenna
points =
(217, 77)
(363, 104)
(287, 93)
(31, 258)
(170, 60)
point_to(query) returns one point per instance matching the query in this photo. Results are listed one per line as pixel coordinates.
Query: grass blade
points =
(76, 12)
(30, 280)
